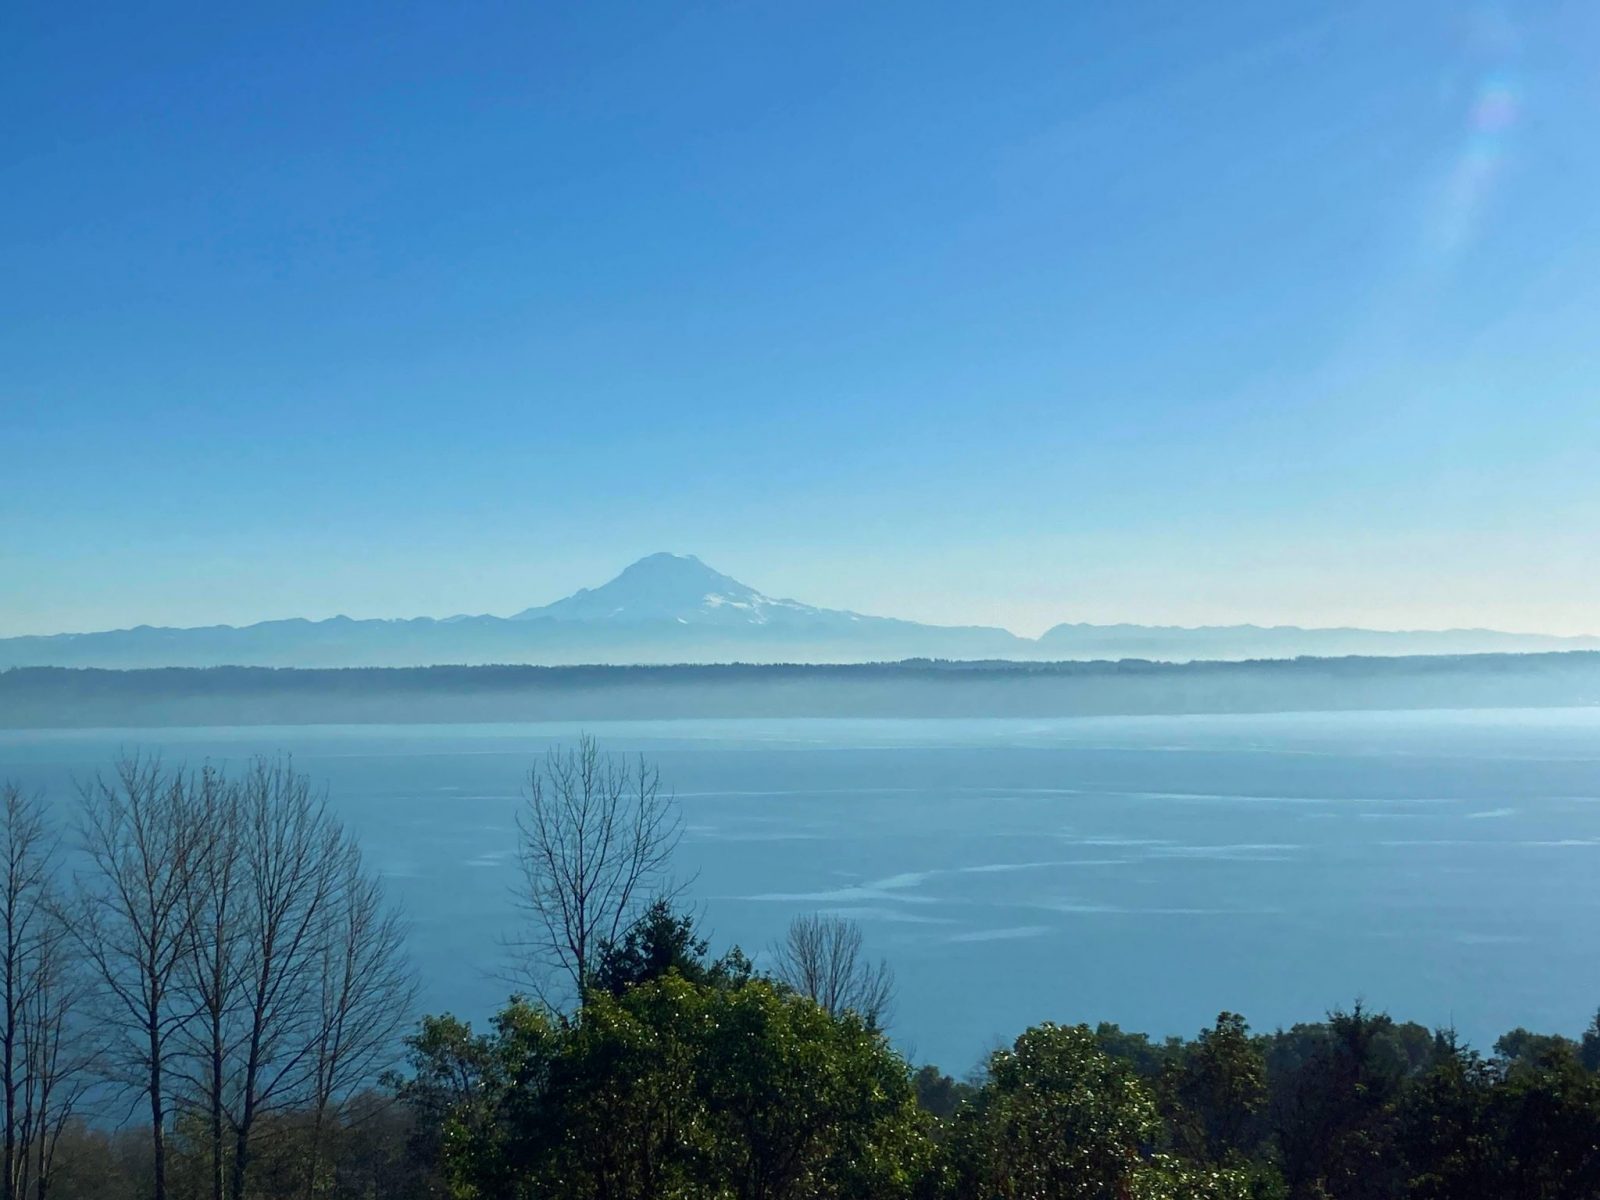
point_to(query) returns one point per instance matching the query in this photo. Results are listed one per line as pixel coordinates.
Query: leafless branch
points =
(597, 837)
(821, 958)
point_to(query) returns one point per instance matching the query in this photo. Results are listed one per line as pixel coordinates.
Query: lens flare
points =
(1496, 107)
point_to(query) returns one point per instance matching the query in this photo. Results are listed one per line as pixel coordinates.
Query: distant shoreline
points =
(63, 697)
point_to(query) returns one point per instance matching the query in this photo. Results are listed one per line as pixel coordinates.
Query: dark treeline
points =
(229, 1024)
(37, 697)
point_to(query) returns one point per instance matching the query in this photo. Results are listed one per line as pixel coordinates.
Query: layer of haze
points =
(965, 313)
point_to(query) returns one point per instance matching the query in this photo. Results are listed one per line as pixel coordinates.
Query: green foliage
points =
(678, 1088)
(805, 1103)
(939, 1094)
(1545, 1124)
(1589, 1049)
(1522, 1047)
(723, 1089)
(1148, 1058)
(732, 1088)
(664, 940)
(1443, 1127)
(1213, 1090)
(1335, 1132)
(1060, 1119)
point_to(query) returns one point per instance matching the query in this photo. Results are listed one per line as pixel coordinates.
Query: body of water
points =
(1150, 871)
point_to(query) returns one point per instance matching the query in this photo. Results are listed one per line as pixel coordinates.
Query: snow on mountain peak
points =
(678, 588)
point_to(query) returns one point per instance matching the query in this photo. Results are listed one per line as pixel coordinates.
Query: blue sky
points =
(995, 313)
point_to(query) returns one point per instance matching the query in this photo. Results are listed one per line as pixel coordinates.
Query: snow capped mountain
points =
(682, 589)
(671, 608)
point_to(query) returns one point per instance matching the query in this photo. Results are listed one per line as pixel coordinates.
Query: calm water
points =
(1150, 871)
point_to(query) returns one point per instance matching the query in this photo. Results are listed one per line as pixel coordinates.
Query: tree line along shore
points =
(56, 697)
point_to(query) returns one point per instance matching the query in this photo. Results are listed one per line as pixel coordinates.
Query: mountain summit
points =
(682, 589)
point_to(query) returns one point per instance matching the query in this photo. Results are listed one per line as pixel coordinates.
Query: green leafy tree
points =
(663, 940)
(1547, 1114)
(938, 1093)
(1215, 1088)
(619, 1115)
(1335, 1126)
(1060, 1119)
(1522, 1047)
(672, 1088)
(1147, 1057)
(471, 1096)
(1589, 1048)
(1444, 1127)
(806, 1103)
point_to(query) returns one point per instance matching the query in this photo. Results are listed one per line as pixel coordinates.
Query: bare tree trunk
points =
(28, 854)
(215, 1106)
(314, 1153)
(158, 1122)
(596, 839)
(60, 1046)
(208, 976)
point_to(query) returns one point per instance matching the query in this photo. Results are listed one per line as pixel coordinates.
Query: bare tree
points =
(245, 964)
(46, 1047)
(209, 973)
(25, 860)
(293, 974)
(61, 1049)
(292, 852)
(367, 993)
(140, 839)
(597, 836)
(821, 958)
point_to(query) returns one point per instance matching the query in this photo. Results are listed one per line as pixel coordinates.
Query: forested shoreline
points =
(57, 697)
(206, 995)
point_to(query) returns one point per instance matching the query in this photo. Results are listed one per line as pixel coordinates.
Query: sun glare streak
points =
(1473, 178)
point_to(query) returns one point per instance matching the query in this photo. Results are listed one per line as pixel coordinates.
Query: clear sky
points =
(1005, 313)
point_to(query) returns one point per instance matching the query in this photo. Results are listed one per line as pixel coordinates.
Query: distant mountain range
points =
(669, 608)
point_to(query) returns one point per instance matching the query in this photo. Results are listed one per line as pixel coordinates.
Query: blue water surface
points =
(1151, 871)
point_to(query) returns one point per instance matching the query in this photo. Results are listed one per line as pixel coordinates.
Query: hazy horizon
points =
(515, 610)
(1186, 317)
